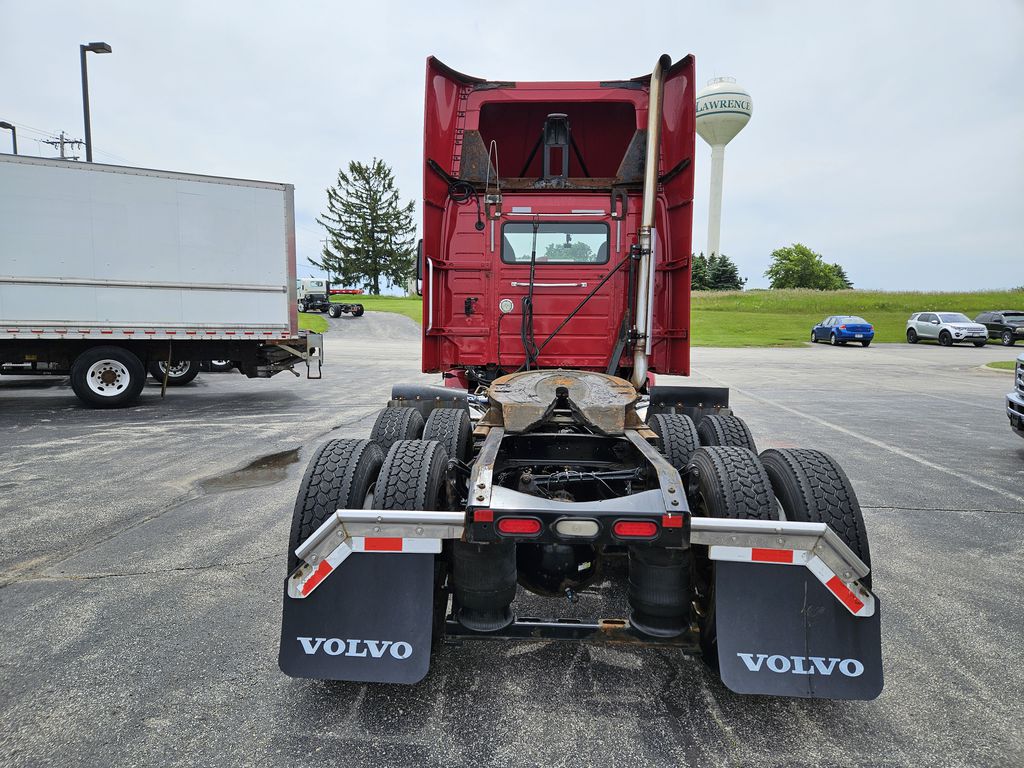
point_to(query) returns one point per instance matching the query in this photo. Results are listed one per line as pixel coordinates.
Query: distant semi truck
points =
(108, 272)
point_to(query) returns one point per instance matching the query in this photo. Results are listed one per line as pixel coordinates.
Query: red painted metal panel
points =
(465, 279)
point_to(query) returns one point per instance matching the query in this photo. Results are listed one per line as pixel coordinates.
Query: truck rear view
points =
(555, 268)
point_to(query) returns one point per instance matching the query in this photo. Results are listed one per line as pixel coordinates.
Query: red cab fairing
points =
(474, 129)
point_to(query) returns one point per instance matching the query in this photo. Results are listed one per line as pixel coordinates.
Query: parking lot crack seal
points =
(152, 572)
(946, 509)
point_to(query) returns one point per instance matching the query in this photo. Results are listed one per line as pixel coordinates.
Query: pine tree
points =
(370, 233)
(699, 273)
(841, 274)
(723, 274)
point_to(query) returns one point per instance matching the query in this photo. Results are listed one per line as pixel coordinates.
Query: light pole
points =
(83, 49)
(14, 134)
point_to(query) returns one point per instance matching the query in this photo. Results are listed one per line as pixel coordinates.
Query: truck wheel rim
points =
(221, 362)
(107, 378)
(177, 369)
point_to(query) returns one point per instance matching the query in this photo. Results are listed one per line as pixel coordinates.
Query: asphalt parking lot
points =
(142, 553)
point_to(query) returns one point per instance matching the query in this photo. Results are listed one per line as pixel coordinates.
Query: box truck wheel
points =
(453, 429)
(395, 424)
(677, 437)
(341, 475)
(723, 481)
(726, 430)
(221, 366)
(182, 371)
(358, 311)
(334, 310)
(812, 488)
(107, 377)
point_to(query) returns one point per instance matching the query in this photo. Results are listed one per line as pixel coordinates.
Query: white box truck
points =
(107, 272)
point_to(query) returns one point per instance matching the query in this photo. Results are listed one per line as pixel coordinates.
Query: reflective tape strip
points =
(853, 602)
(760, 555)
(858, 604)
(302, 587)
(389, 544)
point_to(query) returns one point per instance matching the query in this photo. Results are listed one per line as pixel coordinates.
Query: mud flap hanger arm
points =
(813, 545)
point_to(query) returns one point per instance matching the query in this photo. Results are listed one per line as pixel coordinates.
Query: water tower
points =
(723, 108)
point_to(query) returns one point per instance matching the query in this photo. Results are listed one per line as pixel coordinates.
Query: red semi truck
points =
(555, 268)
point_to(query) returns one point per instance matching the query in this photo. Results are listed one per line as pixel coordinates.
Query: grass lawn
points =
(784, 318)
(310, 322)
(780, 318)
(410, 306)
(1002, 365)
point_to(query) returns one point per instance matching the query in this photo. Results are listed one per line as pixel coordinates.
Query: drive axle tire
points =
(912, 336)
(729, 482)
(395, 424)
(413, 476)
(334, 311)
(812, 488)
(726, 430)
(865, 343)
(107, 377)
(833, 340)
(453, 429)
(1007, 339)
(221, 366)
(677, 437)
(341, 475)
(945, 339)
(814, 339)
(182, 372)
(358, 311)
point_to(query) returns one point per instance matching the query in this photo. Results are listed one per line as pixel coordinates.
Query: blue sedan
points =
(839, 329)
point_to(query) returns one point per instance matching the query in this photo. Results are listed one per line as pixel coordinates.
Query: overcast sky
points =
(887, 136)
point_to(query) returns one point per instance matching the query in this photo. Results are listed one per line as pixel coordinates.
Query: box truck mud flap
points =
(782, 632)
(373, 625)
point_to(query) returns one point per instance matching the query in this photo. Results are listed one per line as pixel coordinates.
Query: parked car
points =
(948, 328)
(839, 329)
(1015, 399)
(1007, 325)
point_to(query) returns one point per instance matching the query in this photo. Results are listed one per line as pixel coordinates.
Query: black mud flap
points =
(369, 621)
(781, 633)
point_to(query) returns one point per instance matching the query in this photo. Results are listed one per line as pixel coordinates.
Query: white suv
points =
(947, 328)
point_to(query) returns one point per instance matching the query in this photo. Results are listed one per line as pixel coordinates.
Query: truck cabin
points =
(532, 213)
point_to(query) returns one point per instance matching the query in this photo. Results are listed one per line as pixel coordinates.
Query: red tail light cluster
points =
(635, 529)
(519, 526)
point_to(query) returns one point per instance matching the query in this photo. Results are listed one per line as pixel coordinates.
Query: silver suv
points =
(948, 328)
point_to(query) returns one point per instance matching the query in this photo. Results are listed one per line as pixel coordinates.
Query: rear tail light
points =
(519, 526)
(843, 326)
(635, 529)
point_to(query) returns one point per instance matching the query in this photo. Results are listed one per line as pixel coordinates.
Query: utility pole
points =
(60, 143)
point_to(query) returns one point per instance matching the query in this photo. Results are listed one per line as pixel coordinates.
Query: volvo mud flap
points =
(370, 622)
(781, 632)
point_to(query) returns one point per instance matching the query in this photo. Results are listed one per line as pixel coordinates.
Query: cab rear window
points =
(557, 242)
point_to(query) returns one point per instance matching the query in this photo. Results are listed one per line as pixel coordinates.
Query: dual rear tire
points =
(732, 482)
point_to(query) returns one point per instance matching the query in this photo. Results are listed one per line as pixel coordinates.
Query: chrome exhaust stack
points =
(645, 274)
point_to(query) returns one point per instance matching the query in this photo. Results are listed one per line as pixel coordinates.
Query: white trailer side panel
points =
(95, 248)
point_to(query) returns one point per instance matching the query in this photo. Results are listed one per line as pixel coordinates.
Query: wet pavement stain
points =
(266, 470)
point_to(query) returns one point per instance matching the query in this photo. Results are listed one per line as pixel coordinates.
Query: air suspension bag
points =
(659, 590)
(484, 583)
